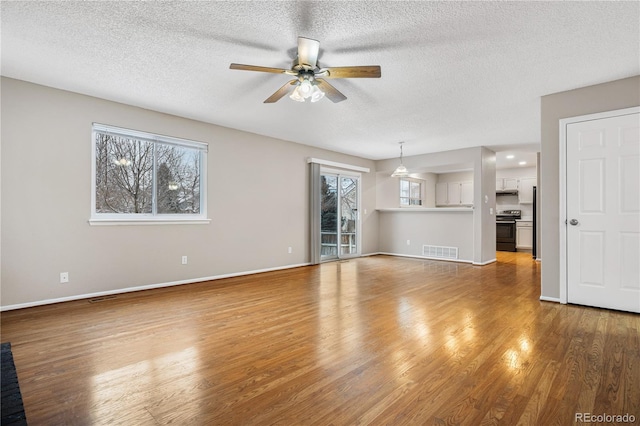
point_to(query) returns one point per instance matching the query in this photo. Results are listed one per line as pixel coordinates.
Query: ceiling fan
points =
(308, 84)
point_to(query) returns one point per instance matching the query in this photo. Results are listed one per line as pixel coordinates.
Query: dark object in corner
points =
(11, 405)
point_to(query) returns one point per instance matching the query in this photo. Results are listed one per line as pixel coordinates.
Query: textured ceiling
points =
(454, 74)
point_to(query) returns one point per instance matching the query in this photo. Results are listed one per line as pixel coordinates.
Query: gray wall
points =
(483, 162)
(588, 100)
(440, 228)
(484, 172)
(257, 200)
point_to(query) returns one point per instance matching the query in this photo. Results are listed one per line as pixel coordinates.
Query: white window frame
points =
(148, 218)
(421, 199)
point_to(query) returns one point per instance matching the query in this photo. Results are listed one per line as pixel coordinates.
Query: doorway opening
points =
(517, 175)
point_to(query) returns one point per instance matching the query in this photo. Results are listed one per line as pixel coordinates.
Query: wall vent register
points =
(440, 252)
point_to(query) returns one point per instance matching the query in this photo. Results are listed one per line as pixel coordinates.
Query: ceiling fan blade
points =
(308, 50)
(365, 71)
(280, 92)
(330, 92)
(257, 68)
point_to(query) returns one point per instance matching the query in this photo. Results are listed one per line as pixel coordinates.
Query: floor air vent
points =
(440, 252)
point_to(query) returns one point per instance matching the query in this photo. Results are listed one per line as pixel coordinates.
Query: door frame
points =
(564, 282)
(352, 174)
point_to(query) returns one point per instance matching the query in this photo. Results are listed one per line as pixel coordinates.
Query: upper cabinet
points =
(466, 193)
(525, 190)
(442, 194)
(454, 194)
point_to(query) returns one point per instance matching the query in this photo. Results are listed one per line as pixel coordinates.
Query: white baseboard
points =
(369, 254)
(438, 258)
(144, 287)
(424, 257)
(550, 299)
(485, 263)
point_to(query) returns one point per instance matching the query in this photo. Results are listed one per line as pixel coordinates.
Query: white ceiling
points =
(454, 74)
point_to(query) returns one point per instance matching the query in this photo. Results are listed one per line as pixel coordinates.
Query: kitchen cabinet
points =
(441, 194)
(525, 190)
(454, 193)
(466, 193)
(506, 184)
(524, 234)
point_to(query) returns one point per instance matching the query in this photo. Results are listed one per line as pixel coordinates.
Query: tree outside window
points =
(140, 176)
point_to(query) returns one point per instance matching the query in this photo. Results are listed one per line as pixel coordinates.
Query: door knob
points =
(574, 222)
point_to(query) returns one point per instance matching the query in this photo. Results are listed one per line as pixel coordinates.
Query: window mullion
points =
(154, 183)
(202, 176)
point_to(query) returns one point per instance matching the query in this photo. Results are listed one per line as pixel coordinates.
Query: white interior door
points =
(603, 212)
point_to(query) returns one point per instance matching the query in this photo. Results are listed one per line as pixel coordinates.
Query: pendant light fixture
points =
(401, 171)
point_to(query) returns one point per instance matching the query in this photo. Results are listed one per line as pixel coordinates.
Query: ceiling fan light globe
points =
(305, 89)
(296, 96)
(316, 94)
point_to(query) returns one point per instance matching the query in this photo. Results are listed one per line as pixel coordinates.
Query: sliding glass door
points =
(339, 220)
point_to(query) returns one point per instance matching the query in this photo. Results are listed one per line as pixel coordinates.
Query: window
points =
(410, 192)
(140, 176)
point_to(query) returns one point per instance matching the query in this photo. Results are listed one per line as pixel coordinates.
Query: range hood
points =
(506, 192)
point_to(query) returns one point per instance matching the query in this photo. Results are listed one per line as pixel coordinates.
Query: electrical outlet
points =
(408, 242)
(64, 277)
(184, 260)
(290, 250)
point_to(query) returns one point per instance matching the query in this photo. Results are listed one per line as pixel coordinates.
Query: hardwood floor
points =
(374, 340)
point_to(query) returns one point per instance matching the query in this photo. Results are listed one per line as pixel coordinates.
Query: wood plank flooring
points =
(374, 340)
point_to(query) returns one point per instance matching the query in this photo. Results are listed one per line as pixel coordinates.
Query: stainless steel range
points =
(506, 229)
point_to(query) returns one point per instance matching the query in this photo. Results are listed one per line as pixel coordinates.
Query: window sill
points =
(149, 221)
